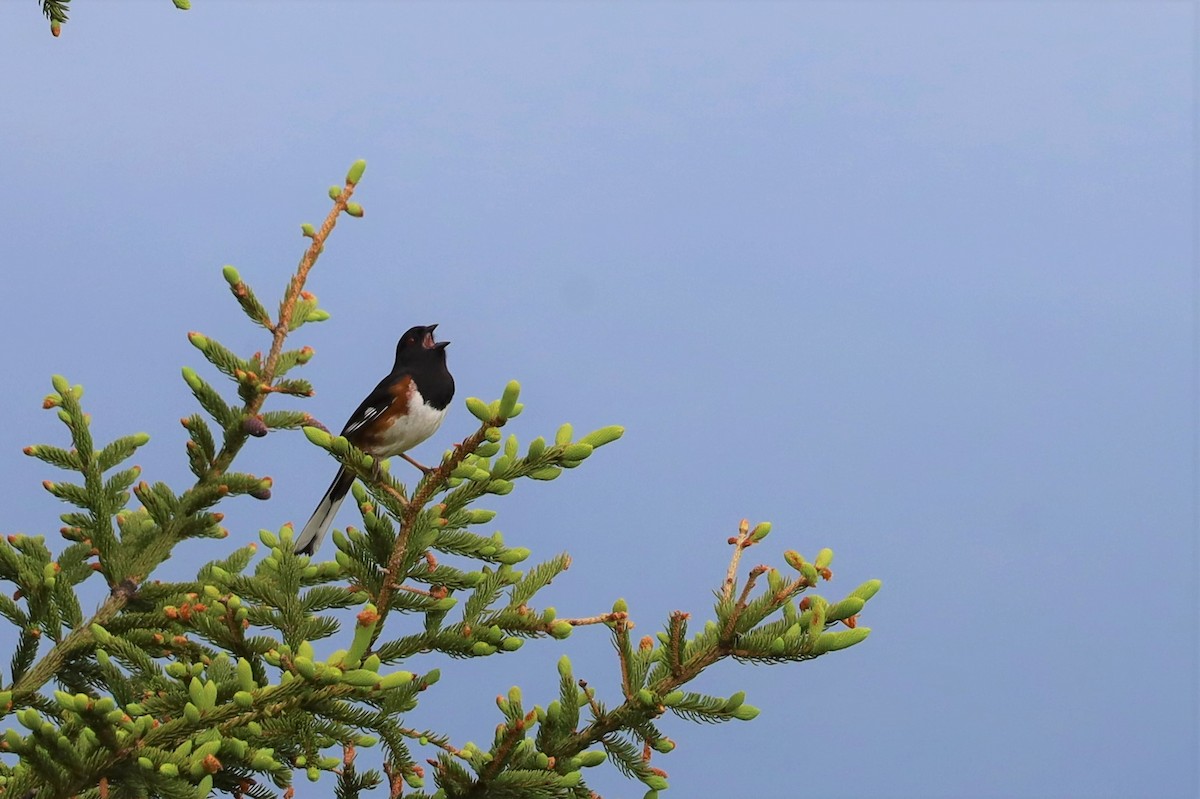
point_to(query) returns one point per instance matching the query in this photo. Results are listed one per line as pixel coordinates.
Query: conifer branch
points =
(215, 684)
(429, 486)
(157, 549)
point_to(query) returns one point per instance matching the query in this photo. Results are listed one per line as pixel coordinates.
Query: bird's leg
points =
(425, 469)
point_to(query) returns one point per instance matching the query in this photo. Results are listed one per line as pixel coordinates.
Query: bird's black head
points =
(418, 346)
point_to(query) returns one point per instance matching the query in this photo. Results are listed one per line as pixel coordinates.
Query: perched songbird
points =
(406, 408)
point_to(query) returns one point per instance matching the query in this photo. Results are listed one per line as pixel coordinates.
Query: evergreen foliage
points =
(232, 682)
(55, 12)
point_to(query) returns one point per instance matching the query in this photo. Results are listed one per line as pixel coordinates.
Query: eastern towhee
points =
(406, 408)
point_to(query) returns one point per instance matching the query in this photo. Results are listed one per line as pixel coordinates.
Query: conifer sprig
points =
(653, 673)
(398, 550)
(55, 12)
(231, 681)
(127, 552)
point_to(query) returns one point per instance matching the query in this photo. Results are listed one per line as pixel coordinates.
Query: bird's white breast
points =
(407, 431)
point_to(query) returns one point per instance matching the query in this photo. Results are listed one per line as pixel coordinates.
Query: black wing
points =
(378, 401)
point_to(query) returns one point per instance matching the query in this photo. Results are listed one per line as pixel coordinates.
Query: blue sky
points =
(915, 281)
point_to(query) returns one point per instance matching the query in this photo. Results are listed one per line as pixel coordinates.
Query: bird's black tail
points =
(314, 532)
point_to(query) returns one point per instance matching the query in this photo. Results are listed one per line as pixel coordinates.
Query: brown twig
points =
(417, 735)
(739, 543)
(591, 698)
(603, 618)
(513, 735)
(395, 780)
(739, 606)
(751, 579)
(375, 478)
(410, 589)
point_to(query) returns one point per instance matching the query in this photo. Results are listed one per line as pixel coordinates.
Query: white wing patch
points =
(373, 412)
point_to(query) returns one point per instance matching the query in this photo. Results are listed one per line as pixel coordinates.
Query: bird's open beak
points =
(429, 343)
